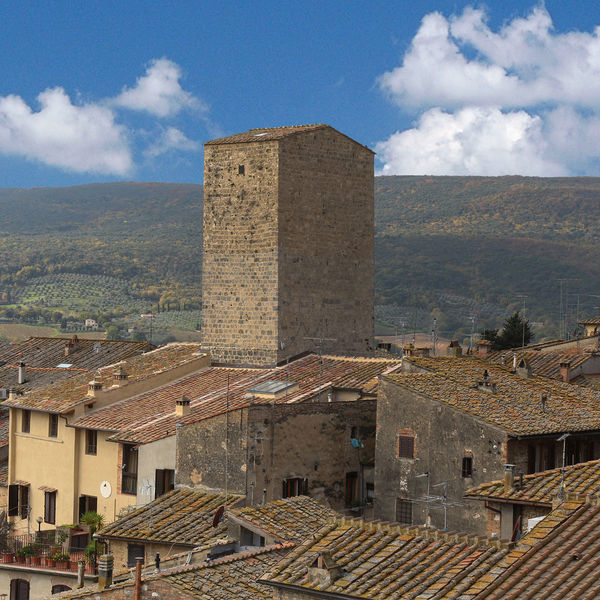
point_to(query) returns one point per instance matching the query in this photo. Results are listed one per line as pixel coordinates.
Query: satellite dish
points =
(105, 489)
(218, 516)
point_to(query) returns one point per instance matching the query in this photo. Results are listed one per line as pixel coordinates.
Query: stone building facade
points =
(282, 450)
(436, 418)
(288, 245)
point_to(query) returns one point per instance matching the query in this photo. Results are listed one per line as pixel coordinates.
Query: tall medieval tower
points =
(288, 245)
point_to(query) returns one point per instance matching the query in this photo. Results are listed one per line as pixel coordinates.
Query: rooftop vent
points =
(524, 369)
(454, 349)
(486, 384)
(21, 377)
(509, 477)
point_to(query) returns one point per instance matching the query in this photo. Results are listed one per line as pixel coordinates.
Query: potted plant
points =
(8, 557)
(24, 553)
(61, 560)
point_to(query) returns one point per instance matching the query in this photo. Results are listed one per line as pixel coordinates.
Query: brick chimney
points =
(565, 370)
(72, 345)
(182, 406)
(324, 569)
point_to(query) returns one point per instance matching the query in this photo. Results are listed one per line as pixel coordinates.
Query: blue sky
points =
(109, 91)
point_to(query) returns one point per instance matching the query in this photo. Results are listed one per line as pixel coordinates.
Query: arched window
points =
(19, 589)
(59, 587)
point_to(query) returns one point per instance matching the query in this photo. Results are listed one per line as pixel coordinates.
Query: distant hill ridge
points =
(482, 237)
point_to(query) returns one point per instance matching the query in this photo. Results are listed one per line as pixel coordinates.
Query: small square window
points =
(241, 170)
(406, 446)
(467, 466)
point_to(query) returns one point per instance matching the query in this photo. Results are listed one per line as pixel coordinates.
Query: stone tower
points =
(288, 245)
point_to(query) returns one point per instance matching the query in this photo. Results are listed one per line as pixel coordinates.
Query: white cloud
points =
(474, 141)
(76, 138)
(521, 100)
(171, 139)
(159, 92)
(522, 65)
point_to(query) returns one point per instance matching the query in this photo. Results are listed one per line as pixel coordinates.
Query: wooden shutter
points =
(24, 501)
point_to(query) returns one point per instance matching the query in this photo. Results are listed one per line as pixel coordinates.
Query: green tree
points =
(514, 333)
(112, 333)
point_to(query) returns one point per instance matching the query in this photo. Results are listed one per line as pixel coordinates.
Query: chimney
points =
(105, 571)
(182, 406)
(94, 387)
(565, 370)
(509, 477)
(138, 578)
(21, 378)
(120, 377)
(80, 573)
(72, 345)
(484, 347)
(12, 394)
(523, 369)
(324, 569)
(454, 349)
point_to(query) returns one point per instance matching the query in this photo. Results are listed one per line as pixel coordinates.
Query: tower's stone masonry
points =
(288, 244)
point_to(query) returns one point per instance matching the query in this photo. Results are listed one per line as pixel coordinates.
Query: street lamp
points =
(39, 522)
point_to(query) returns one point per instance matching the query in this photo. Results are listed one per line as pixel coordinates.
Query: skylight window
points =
(260, 134)
(64, 366)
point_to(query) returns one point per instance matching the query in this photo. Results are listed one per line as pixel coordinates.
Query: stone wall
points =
(443, 437)
(270, 443)
(288, 247)
(239, 270)
(326, 225)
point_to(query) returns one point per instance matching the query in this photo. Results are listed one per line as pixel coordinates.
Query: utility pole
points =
(434, 336)
(472, 319)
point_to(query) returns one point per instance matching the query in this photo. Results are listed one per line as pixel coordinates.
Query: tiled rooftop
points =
(182, 516)
(42, 356)
(4, 421)
(384, 561)
(591, 321)
(541, 488)
(232, 577)
(289, 520)
(266, 134)
(546, 364)
(516, 404)
(151, 416)
(557, 559)
(65, 395)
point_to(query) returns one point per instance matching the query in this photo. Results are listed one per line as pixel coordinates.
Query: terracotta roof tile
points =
(542, 488)
(515, 405)
(182, 516)
(65, 395)
(544, 364)
(42, 356)
(265, 134)
(151, 416)
(290, 520)
(233, 577)
(384, 562)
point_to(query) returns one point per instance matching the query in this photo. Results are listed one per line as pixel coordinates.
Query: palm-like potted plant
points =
(94, 521)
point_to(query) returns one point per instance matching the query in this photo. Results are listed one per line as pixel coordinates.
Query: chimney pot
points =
(565, 371)
(94, 387)
(484, 347)
(182, 406)
(509, 477)
(105, 571)
(21, 377)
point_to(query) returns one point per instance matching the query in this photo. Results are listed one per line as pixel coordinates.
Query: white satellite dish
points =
(105, 489)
